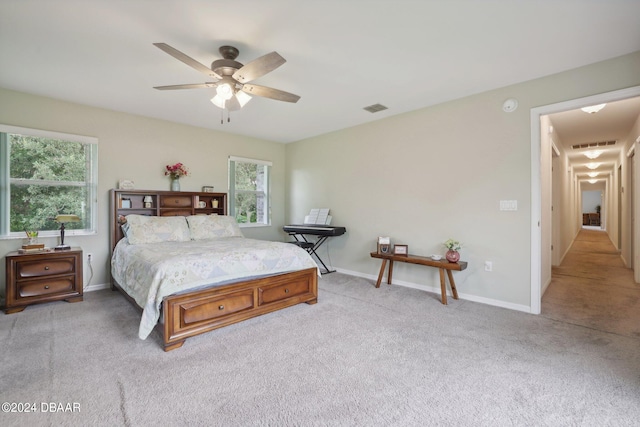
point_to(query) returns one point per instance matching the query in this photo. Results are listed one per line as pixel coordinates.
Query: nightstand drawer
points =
(49, 267)
(46, 287)
(42, 277)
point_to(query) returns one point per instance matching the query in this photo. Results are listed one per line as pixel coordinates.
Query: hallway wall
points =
(629, 184)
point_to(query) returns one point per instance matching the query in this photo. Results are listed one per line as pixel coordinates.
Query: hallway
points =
(592, 288)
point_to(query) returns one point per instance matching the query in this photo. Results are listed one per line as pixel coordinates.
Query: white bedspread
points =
(149, 272)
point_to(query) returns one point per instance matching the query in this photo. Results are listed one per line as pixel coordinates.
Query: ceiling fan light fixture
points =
(224, 91)
(231, 77)
(242, 98)
(593, 108)
(218, 101)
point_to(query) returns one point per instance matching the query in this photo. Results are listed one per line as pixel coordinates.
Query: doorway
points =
(538, 226)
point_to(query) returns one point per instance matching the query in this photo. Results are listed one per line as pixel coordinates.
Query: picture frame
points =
(207, 189)
(384, 245)
(126, 184)
(401, 250)
(126, 203)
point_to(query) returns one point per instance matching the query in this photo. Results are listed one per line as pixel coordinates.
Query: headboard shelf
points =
(161, 203)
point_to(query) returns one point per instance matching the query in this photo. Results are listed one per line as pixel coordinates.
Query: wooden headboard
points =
(160, 203)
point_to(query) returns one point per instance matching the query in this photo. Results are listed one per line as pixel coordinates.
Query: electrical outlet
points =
(488, 266)
(89, 256)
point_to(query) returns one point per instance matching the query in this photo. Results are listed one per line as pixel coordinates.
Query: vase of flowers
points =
(453, 246)
(174, 172)
(32, 236)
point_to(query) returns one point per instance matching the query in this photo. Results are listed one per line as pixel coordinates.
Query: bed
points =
(191, 274)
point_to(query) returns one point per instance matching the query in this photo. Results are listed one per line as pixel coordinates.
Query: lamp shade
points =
(63, 218)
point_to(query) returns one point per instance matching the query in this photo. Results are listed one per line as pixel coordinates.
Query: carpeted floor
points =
(360, 357)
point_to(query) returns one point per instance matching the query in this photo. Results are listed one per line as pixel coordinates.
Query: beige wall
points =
(419, 177)
(628, 186)
(440, 172)
(138, 148)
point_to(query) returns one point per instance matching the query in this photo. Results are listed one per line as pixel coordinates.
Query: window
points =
(249, 197)
(43, 174)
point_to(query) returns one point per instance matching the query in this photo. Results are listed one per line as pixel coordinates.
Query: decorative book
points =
(33, 246)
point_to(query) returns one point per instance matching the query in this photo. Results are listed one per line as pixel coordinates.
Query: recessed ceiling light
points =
(593, 154)
(593, 108)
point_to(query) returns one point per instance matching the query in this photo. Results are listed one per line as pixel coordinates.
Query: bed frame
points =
(194, 313)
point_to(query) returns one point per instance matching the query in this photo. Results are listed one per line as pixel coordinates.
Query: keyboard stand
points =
(311, 247)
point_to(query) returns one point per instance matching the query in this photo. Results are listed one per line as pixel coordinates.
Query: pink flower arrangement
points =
(176, 171)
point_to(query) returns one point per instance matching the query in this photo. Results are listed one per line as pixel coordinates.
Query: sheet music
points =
(318, 216)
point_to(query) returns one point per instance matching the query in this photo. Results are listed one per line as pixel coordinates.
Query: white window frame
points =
(266, 191)
(5, 182)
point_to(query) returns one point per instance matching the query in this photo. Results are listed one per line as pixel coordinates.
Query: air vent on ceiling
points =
(593, 144)
(375, 108)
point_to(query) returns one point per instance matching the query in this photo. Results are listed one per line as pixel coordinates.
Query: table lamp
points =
(147, 201)
(63, 219)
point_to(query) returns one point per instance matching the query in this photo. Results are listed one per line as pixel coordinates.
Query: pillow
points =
(156, 229)
(125, 229)
(213, 226)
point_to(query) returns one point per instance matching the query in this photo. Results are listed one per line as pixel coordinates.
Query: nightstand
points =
(43, 277)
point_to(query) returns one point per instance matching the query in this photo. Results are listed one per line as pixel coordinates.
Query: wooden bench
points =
(442, 265)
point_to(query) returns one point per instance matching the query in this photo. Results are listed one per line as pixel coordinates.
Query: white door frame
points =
(536, 191)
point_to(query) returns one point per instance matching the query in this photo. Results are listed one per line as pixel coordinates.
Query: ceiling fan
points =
(230, 78)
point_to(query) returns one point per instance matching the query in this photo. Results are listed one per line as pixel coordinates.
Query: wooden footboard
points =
(194, 313)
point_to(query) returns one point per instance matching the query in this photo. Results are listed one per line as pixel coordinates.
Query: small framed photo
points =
(384, 248)
(207, 189)
(400, 250)
(126, 184)
(384, 245)
(126, 203)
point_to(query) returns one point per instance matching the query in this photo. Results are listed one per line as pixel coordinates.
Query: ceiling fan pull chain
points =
(221, 117)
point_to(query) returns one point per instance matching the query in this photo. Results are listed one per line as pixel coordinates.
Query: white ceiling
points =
(342, 55)
(613, 123)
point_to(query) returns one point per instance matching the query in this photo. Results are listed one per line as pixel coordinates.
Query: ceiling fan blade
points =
(259, 67)
(187, 86)
(187, 60)
(269, 92)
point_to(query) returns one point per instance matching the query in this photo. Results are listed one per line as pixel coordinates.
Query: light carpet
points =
(360, 357)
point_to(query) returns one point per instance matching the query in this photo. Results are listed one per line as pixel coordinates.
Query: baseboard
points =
(96, 287)
(436, 290)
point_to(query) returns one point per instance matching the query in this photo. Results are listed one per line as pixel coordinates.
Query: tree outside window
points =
(46, 177)
(249, 191)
